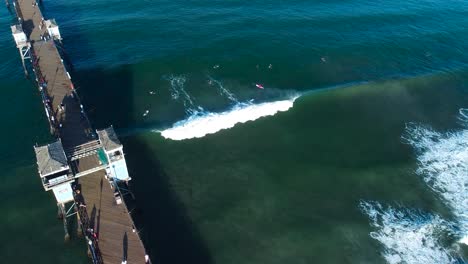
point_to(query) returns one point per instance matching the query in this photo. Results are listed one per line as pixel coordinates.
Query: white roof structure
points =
(19, 35)
(63, 193)
(52, 28)
(17, 29)
(51, 23)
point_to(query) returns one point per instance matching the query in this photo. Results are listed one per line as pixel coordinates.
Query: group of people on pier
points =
(90, 234)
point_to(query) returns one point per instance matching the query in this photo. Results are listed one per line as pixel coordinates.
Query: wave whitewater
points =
(200, 124)
(409, 236)
(443, 164)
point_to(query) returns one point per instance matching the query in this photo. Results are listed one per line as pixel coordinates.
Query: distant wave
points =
(443, 164)
(200, 124)
(409, 236)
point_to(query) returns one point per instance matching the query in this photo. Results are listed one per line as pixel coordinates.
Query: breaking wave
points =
(409, 236)
(200, 124)
(443, 164)
(178, 92)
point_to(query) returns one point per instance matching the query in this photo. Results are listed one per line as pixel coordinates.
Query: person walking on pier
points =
(79, 199)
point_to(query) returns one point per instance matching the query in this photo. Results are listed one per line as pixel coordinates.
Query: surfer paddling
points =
(259, 86)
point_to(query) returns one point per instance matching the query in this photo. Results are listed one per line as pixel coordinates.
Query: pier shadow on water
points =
(167, 231)
(167, 228)
(108, 98)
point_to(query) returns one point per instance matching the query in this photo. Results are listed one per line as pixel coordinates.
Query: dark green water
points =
(280, 189)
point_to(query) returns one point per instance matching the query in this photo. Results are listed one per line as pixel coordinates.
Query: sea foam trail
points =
(178, 92)
(222, 90)
(203, 123)
(443, 164)
(409, 236)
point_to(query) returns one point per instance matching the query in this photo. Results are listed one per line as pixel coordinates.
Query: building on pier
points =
(113, 149)
(57, 169)
(53, 29)
(54, 170)
(22, 43)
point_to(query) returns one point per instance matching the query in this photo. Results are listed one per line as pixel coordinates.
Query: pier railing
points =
(42, 84)
(84, 150)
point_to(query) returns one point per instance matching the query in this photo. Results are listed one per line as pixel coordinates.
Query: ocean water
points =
(355, 151)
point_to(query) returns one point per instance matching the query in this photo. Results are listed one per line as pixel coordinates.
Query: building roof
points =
(15, 29)
(51, 158)
(109, 139)
(51, 23)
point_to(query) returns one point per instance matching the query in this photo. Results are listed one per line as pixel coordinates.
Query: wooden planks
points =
(75, 129)
(112, 222)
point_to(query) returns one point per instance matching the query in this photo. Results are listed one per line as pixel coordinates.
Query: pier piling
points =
(79, 230)
(65, 222)
(59, 211)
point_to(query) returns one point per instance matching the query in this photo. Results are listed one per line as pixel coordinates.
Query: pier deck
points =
(112, 222)
(116, 237)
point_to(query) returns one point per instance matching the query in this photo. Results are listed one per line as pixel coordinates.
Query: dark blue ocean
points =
(354, 151)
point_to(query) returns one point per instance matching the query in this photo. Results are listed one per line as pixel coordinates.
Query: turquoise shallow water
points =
(284, 188)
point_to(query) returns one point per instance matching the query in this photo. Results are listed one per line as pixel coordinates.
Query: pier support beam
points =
(88, 252)
(59, 211)
(25, 54)
(64, 219)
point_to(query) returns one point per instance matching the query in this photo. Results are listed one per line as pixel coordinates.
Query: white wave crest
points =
(222, 90)
(203, 123)
(408, 236)
(443, 164)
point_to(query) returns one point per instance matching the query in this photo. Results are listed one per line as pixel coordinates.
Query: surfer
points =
(259, 86)
(216, 66)
(146, 113)
(151, 92)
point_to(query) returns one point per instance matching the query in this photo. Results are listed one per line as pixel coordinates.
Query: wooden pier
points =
(84, 167)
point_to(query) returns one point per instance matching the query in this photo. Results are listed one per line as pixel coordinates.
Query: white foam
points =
(443, 164)
(408, 236)
(176, 82)
(203, 123)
